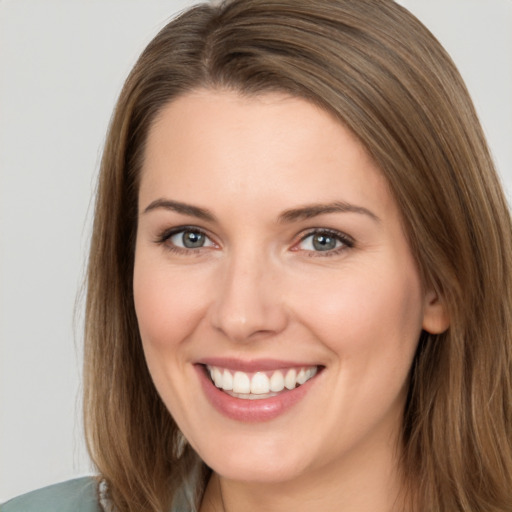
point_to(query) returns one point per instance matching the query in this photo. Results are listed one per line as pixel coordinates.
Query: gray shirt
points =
(83, 495)
(80, 495)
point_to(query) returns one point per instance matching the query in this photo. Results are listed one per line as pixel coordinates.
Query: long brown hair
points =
(381, 72)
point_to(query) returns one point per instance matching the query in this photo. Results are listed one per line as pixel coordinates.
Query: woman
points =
(299, 280)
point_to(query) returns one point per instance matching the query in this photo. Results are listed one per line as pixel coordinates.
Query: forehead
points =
(272, 145)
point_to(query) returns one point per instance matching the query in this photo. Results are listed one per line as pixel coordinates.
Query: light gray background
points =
(62, 64)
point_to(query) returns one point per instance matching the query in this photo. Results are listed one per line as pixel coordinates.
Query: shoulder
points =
(80, 495)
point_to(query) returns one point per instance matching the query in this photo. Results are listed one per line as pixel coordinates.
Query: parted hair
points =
(377, 69)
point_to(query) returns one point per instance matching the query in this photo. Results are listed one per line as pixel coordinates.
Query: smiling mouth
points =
(259, 385)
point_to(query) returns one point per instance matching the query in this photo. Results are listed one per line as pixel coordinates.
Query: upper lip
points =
(253, 365)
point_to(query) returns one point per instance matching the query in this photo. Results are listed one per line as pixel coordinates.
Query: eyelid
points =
(163, 238)
(347, 242)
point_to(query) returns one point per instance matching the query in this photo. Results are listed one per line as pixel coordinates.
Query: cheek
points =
(371, 324)
(168, 304)
(366, 310)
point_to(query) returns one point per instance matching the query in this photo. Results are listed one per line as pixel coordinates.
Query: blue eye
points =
(189, 239)
(325, 241)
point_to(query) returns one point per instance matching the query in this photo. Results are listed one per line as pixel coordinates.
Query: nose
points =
(249, 302)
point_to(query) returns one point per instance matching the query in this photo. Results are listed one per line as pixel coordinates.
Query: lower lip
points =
(251, 411)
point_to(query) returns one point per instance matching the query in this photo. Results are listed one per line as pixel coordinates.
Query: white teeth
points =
(291, 379)
(277, 382)
(227, 381)
(260, 384)
(301, 377)
(242, 385)
(217, 377)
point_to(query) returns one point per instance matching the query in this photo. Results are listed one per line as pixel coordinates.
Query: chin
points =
(258, 471)
(248, 459)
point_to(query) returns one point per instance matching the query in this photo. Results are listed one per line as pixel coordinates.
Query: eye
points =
(328, 241)
(185, 239)
(190, 239)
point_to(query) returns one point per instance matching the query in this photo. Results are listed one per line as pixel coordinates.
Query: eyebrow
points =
(288, 216)
(314, 210)
(183, 208)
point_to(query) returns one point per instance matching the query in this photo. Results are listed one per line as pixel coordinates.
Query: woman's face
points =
(270, 254)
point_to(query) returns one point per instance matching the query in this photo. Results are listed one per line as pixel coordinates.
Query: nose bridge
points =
(249, 301)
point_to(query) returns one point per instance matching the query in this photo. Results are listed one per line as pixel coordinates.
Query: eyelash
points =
(164, 239)
(346, 241)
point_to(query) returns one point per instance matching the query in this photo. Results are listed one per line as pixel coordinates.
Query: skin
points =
(259, 288)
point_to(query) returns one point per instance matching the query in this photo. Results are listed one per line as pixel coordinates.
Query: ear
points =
(435, 315)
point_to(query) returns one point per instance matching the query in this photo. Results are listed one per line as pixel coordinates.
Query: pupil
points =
(324, 242)
(192, 239)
